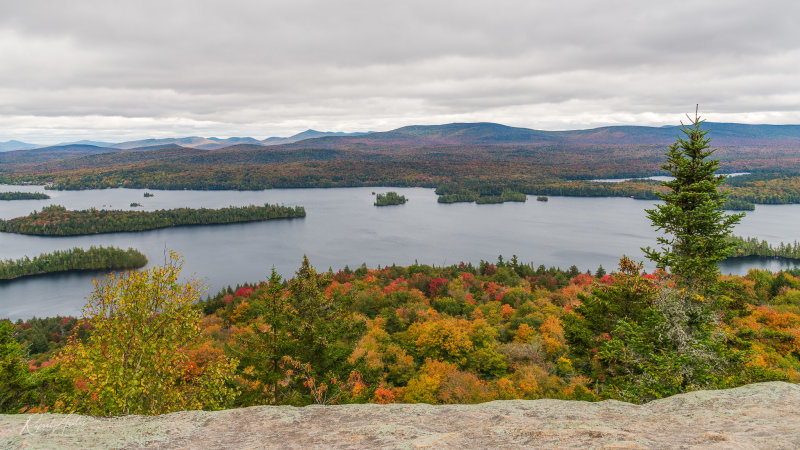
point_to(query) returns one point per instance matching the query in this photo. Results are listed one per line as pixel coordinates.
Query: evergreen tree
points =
(299, 329)
(691, 217)
(15, 380)
(262, 348)
(328, 330)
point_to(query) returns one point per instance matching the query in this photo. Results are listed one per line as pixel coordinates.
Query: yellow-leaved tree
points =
(145, 353)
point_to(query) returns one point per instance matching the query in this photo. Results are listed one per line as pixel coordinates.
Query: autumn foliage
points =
(145, 353)
(457, 334)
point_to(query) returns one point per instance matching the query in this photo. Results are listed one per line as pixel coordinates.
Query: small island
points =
(75, 259)
(542, 198)
(135, 204)
(746, 247)
(58, 221)
(148, 195)
(469, 196)
(505, 196)
(23, 196)
(390, 198)
(737, 204)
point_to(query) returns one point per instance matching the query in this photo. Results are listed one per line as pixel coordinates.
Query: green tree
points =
(300, 329)
(15, 378)
(691, 217)
(328, 328)
(641, 341)
(144, 353)
(261, 348)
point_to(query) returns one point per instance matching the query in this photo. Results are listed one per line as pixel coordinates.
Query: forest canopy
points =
(462, 334)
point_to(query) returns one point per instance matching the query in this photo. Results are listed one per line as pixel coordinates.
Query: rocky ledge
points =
(765, 415)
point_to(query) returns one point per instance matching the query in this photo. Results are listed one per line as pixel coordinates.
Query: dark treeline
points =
(58, 221)
(767, 188)
(738, 204)
(505, 196)
(753, 247)
(472, 196)
(95, 258)
(459, 180)
(497, 190)
(23, 196)
(760, 176)
(390, 198)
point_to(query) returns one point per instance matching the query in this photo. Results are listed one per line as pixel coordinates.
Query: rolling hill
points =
(484, 154)
(492, 134)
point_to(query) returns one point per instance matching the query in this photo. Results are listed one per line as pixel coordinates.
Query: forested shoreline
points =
(23, 196)
(75, 259)
(56, 220)
(453, 180)
(745, 247)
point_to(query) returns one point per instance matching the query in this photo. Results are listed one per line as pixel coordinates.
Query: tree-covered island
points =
(23, 196)
(58, 221)
(75, 259)
(390, 198)
(456, 193)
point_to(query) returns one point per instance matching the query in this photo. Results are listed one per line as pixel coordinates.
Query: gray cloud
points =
(131, 69)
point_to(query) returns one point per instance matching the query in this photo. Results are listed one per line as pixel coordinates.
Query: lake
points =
(656, 178)
(342, 227)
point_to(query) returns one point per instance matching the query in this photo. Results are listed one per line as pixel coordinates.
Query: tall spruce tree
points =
(691, 217)
(304, 324)
(15, 377)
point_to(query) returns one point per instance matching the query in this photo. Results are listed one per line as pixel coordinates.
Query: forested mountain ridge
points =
(59, 152)
(723, 134)
(452, 134)
(485, 133)
(482, 158)
(636, 148)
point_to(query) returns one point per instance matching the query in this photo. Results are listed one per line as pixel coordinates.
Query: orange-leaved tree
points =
(144, 353)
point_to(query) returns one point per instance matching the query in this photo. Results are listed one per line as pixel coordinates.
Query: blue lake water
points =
(343, 227)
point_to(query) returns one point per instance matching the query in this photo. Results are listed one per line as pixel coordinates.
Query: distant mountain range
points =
(211, 143)
(492, 134)
(419, 155)
(455, 140)
(16, 145)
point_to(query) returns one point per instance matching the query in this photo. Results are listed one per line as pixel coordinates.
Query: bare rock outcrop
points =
(764, 415)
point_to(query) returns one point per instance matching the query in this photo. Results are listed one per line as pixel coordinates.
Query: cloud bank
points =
(133, 69)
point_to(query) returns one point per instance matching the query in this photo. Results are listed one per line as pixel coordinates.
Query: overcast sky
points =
(122, 70)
